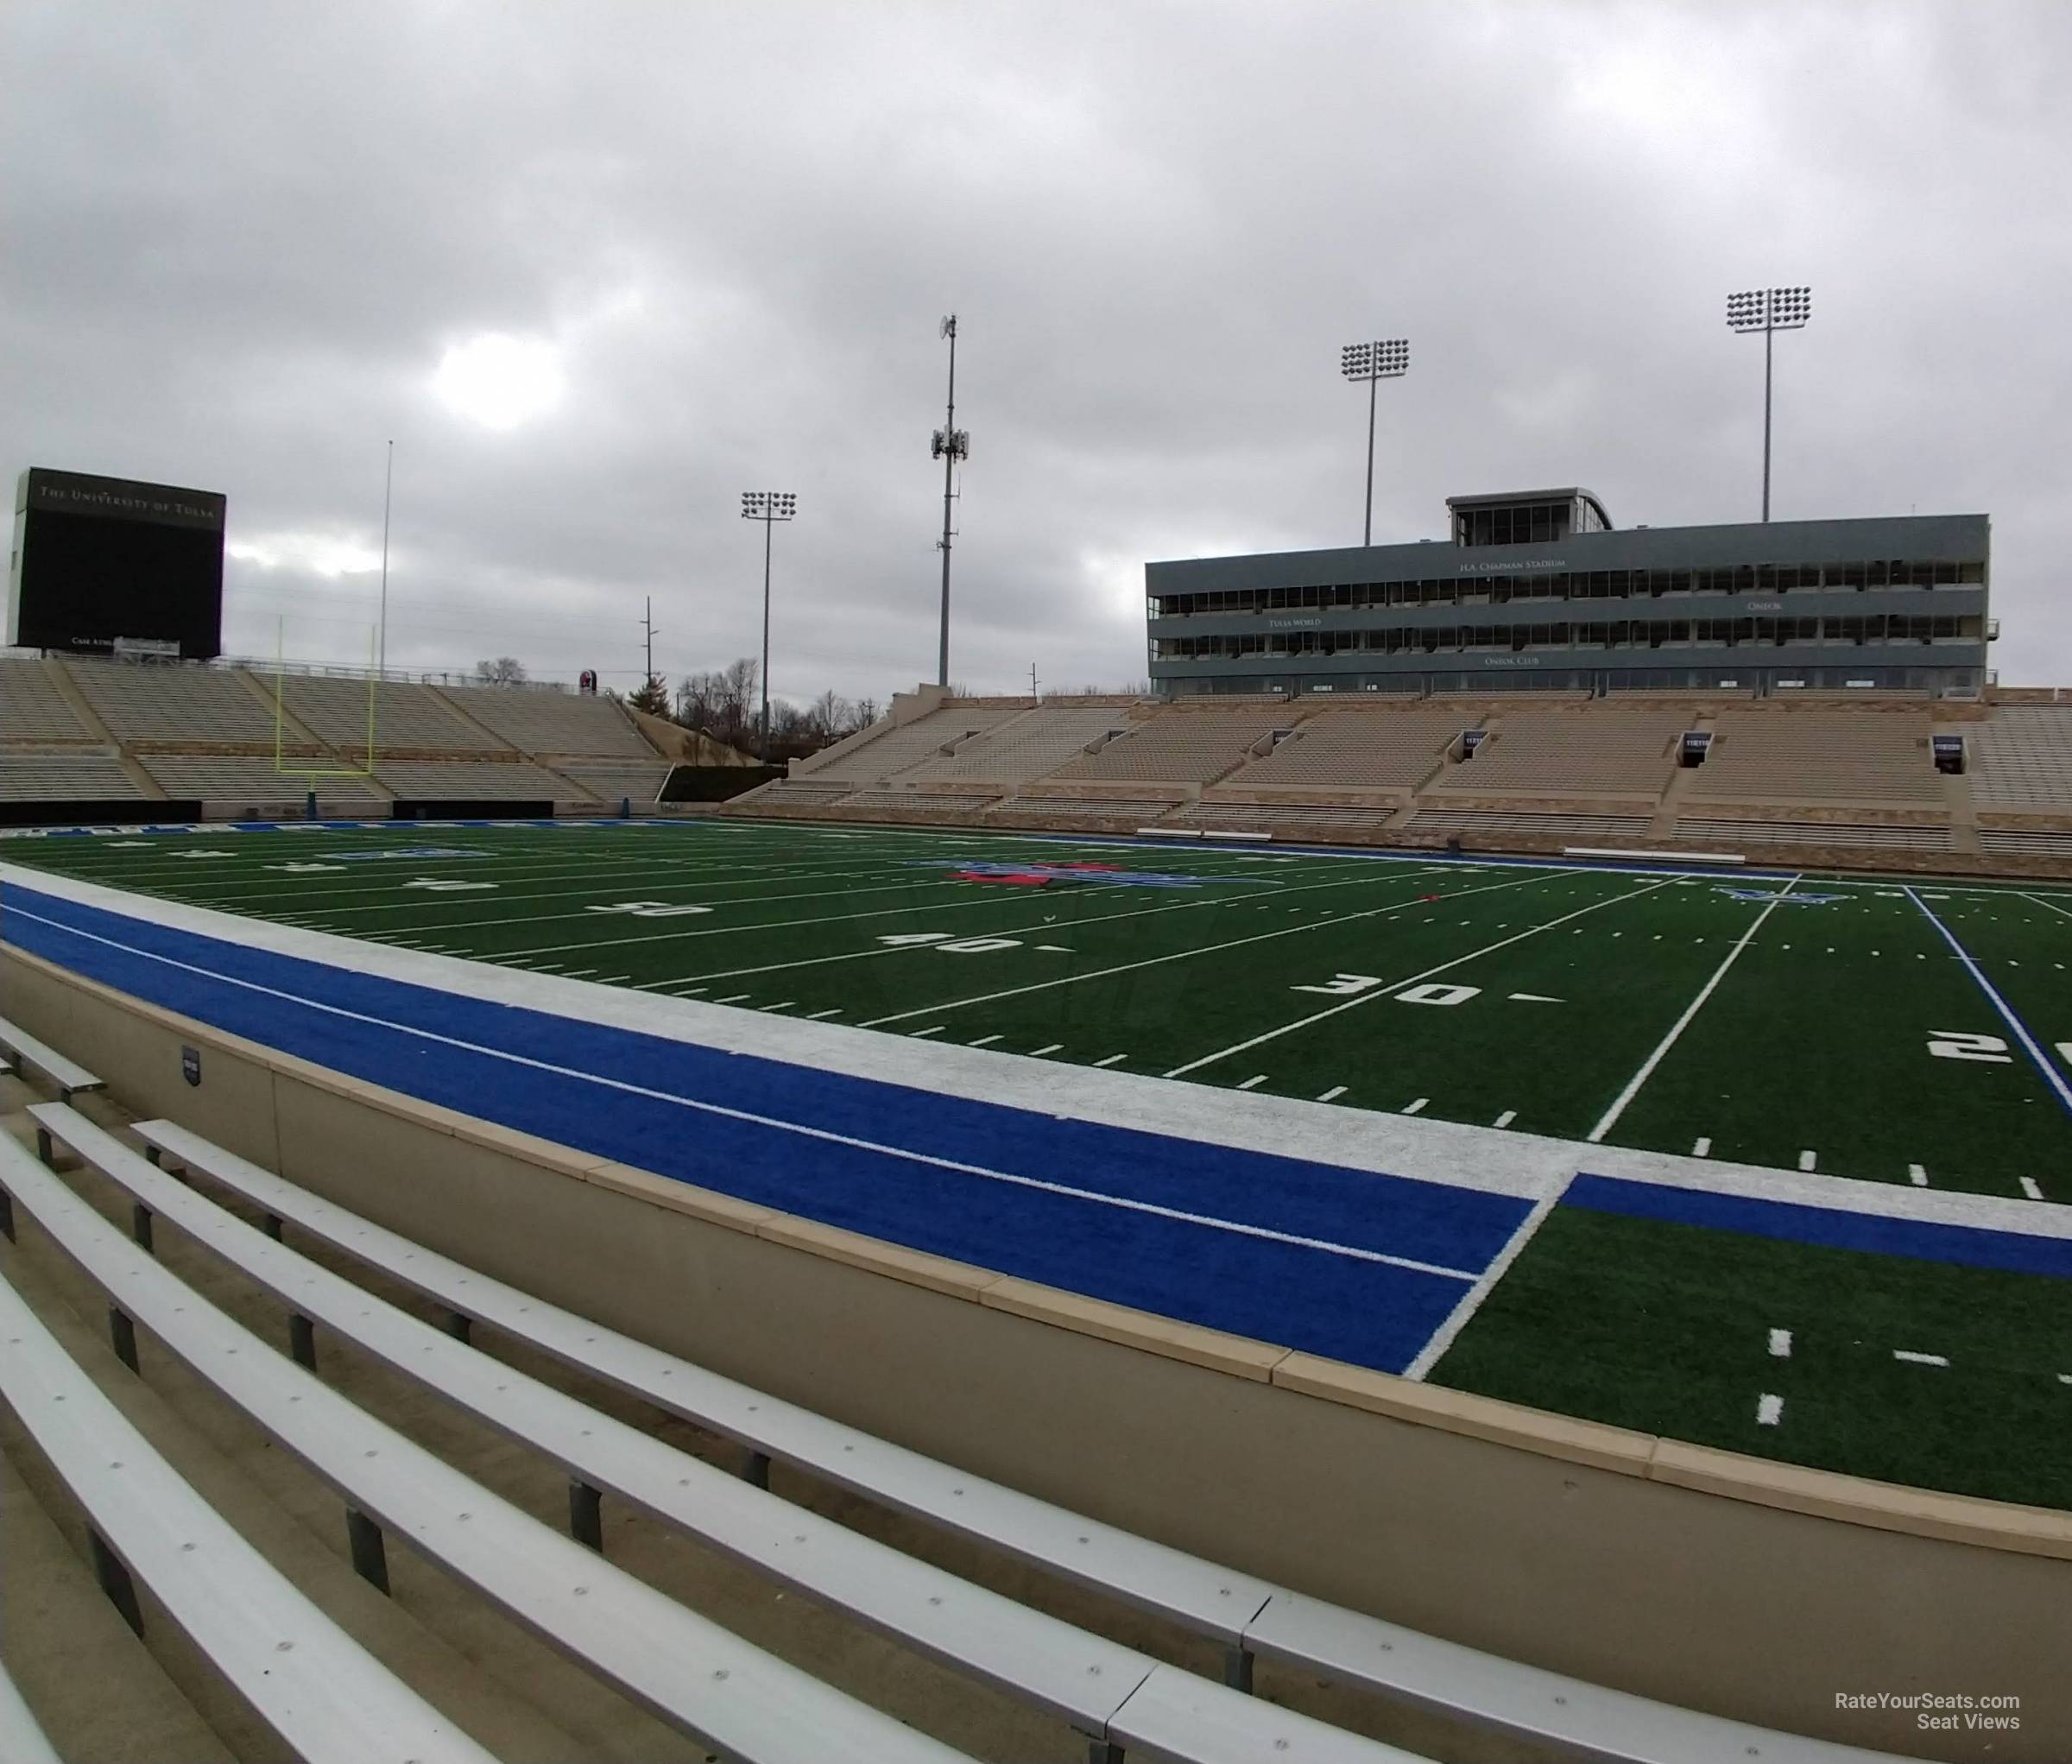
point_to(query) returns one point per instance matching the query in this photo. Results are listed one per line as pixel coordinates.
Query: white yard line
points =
(1412, 980)
(1471, 1301)
(1610, 1117)
(1040, 928)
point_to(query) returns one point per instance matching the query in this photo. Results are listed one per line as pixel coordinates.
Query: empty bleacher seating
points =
(406, 715)
(1388, 749)
(1590, 750)
(44, 776)
(1023, 748)
(635, 783)
(456, 779)
(2021, 758)
(1182, 747)
(939, 802)
(542, 722)
(168, 705)
(1721, 831)
(1552, 825)
(1315, 820)
(248, 777)
(1137, 809)
(1784, 754)
(34, 708)
(888, 755)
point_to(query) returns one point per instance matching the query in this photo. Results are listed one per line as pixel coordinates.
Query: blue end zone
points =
(1970, 1246)
(1279, 1249)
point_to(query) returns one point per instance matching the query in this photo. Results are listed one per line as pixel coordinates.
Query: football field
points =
(1911, 1033)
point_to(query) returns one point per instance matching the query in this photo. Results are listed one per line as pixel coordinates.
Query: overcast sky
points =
(596, 269)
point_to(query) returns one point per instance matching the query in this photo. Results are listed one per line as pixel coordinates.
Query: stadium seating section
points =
(91, 730)
(1854, 776)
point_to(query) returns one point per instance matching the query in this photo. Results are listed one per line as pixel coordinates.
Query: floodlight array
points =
(768, 505)
(1769, 309)
(1384, 360)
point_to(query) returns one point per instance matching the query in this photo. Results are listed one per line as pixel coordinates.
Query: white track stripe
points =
(700, 1105)
(1397, 986)
(1471, 1301)
(1610, 1118)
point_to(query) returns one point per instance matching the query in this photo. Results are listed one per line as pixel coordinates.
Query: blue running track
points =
(1346, 1263)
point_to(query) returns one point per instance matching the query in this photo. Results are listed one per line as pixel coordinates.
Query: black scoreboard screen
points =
(105, 564)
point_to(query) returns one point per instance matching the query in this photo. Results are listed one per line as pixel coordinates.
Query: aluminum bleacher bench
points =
(22, 1048)
(1121, 1699)
(22, 1738)
(1248, 1616)
(328, 1700)
(691, 1672)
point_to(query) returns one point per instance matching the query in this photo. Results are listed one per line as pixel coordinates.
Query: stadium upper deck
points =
(1537, 590)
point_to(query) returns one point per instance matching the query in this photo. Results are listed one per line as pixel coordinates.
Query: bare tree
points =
(505, 670)
(830, 714)
(863, 714)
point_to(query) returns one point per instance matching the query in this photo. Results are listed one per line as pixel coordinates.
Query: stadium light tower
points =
(1768, 310)
(1374, 362)
(768, 507)
(950, 444)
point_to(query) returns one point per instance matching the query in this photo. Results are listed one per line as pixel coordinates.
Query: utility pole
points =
(1034, 696)
(648, 625)
(950, 444)
(388, 488)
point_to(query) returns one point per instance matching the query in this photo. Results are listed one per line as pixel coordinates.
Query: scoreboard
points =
(104, 564)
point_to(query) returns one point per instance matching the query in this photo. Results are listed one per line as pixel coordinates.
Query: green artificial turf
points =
(1666, 1327)
(1473, 993)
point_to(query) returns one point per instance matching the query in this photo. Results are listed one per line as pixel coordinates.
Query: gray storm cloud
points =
(677, 253)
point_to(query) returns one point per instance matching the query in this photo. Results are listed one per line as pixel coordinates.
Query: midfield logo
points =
(1734, 894)
(1037, 875)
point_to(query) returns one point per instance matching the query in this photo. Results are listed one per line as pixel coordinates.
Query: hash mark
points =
(2030, 1188)
(1917, 1175)
(833, 1011)
(920, 1034)
(1111, 1060)
(1413, 1108)
(1808, 1160)
(984, 1041)
(732, 998)
(1769, 1410)
(1914, 1359)
(1507, 1118)
(1780, 1344)
(1037, 1052)
(1334, 1091)
(1256, 1079)
(1700, 1148)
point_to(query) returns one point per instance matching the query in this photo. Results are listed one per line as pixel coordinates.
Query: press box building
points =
(1538, 589)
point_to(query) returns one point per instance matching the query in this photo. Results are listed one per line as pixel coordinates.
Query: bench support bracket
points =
(369, 1554)
(585, 1514)
(115, 1581)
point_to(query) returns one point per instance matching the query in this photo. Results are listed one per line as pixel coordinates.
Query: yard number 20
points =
(1955, 1044)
